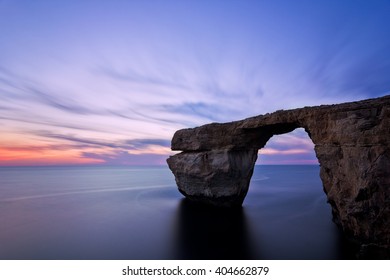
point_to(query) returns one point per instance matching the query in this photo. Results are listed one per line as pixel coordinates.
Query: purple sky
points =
(109, 82)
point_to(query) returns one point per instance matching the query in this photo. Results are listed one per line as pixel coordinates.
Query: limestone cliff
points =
(352, 143)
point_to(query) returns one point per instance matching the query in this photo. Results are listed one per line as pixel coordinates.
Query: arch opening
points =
(292, 148)
(286, 192)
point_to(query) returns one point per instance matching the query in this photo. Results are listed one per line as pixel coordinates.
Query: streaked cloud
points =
(293, 148)
(270, 151)
(126, 158)
(113, 84)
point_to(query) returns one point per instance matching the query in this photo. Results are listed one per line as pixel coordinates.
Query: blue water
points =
(137, 213)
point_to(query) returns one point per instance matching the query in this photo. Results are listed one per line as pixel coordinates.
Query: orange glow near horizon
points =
(24, 156)
(38, 154)
(71, 150)
(289, 162)
(270, 151)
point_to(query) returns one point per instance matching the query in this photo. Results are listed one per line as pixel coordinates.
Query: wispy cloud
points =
(142, 143)
(293, 148)
(46, 122)
(210, 112)
(120, 89)
(20, 90)
(60, 102)
(43, 148)
(75, 139)
(131, 76)
(130, 144)
(89, 151)
(126, 158)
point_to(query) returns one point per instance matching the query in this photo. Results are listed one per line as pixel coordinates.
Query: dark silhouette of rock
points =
(351, 143)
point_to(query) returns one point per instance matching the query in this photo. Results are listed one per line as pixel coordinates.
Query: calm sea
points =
(137, 213)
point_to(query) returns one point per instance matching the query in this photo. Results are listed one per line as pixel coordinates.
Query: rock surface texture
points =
(352, 144)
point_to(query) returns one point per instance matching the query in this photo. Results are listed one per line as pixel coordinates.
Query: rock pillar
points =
(218, 177)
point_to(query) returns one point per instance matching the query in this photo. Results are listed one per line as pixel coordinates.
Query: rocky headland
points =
(352, 144)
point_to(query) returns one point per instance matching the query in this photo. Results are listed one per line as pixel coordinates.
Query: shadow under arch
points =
(208, 232)
(256, 231)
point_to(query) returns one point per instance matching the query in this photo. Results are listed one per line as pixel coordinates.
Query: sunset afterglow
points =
(109, 82)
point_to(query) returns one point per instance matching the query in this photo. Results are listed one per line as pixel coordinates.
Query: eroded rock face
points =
(219, 177)
(352, 143)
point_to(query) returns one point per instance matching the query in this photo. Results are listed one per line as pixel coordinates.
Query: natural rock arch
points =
(351, 143)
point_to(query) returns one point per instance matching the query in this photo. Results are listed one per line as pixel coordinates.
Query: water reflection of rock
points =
(206, 232)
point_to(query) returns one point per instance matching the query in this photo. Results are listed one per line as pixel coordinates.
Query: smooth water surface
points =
(137, 213)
